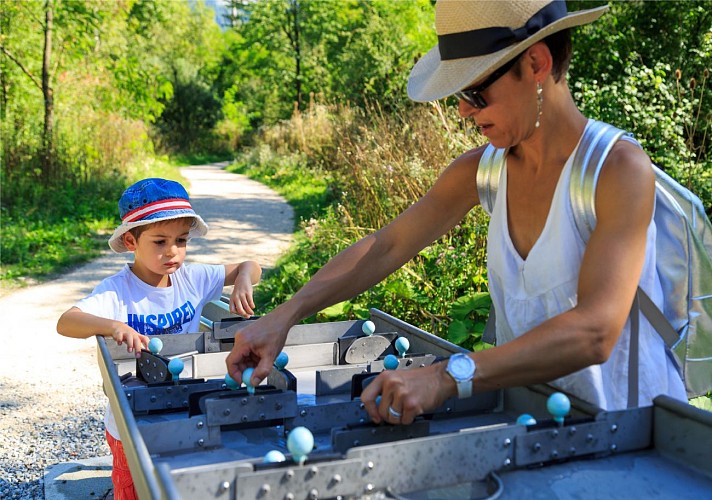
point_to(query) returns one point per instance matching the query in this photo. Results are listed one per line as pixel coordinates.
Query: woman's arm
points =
(362, 265)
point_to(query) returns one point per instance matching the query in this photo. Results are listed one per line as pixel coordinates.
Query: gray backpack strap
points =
(634, 352)
(596, 143)
(489, 172)
(657, 319)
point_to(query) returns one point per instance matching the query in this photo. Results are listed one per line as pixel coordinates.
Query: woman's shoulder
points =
(468, 160)
(473, 155)
(627, 162)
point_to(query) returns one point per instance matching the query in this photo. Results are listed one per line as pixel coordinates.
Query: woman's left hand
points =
(407, 393)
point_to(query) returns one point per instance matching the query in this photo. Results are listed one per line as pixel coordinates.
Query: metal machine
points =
(194, 435)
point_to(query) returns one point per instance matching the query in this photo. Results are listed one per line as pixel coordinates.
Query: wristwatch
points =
(462, 368)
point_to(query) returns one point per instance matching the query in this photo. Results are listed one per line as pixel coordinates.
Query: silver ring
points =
(394, 414)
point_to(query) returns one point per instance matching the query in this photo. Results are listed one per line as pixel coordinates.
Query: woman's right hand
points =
(257, 346)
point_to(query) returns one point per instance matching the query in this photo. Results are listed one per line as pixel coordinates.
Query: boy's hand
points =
(241, 301)
(121, 332)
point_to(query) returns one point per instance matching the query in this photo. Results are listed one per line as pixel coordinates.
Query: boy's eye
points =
(159, 242)
(182, 240)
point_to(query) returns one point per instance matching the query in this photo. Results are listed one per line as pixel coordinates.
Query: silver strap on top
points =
(597, 141)
(489, 174)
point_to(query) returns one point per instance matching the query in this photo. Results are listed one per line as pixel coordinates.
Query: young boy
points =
(156, 294)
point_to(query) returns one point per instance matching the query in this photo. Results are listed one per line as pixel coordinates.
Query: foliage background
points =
(308, 96)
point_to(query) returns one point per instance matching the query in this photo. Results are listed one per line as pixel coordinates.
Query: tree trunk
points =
(48, 172)
(297, 53)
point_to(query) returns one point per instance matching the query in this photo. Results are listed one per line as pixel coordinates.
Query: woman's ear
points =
(539, 60)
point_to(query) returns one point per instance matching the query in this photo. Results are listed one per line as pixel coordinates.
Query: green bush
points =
(664, 117)
(365, 167)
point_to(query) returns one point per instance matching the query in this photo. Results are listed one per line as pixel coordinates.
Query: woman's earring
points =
(539, 101)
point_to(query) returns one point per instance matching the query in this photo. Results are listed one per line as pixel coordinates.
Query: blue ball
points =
(526, 419)
(300, 443)
(274, 456)
(281, 361)
(246, 376)
(390, 362)
(155, 345)
(402, 345)
(558, 405)
(231, 383)
(175, 366)
(368, 327)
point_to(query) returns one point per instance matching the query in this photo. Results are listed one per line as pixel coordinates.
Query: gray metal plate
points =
(367, 348)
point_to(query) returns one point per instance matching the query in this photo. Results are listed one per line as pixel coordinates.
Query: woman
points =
(562, 304)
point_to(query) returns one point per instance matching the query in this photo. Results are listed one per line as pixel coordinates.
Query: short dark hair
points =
(139, 230)
(560, 46)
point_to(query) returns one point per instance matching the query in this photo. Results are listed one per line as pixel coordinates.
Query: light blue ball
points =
(175, 366)
(231, 383)
(274, 456)
(526, 419)
(281, 361)
(155, 345)
(558, 405)
(246, 376)
(378, 400)
(402, 345)
(368, 327)
(390, 362)
(300, 443)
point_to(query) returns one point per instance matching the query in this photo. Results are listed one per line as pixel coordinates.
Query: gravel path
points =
(51, 400)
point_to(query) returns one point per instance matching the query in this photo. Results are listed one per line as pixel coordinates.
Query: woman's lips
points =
(485, 128)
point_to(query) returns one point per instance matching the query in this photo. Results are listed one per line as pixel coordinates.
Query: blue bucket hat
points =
(153, 200)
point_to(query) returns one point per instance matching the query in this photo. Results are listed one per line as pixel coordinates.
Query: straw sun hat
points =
(154, 200)
(475, 37)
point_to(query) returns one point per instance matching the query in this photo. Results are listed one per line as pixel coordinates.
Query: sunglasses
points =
(473, 95)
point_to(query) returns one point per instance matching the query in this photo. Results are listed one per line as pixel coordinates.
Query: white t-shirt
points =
(527, 292)
(155, 311)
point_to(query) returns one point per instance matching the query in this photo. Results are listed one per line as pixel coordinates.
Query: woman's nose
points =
(466, 109)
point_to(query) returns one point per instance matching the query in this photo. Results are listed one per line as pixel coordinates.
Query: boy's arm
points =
(78, 324)
(243, 276)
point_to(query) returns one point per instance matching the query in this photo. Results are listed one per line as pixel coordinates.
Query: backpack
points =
(684, 255)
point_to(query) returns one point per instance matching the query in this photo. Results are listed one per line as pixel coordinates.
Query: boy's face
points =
(160, 249)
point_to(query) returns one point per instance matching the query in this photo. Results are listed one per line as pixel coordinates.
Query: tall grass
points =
(368, 166)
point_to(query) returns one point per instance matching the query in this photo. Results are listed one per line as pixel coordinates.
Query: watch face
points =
(461, 367)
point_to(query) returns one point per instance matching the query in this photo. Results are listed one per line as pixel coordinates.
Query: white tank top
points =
(526, 292)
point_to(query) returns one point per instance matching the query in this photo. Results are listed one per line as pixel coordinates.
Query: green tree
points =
(188, 57)
(67, 28)
(281, 51)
